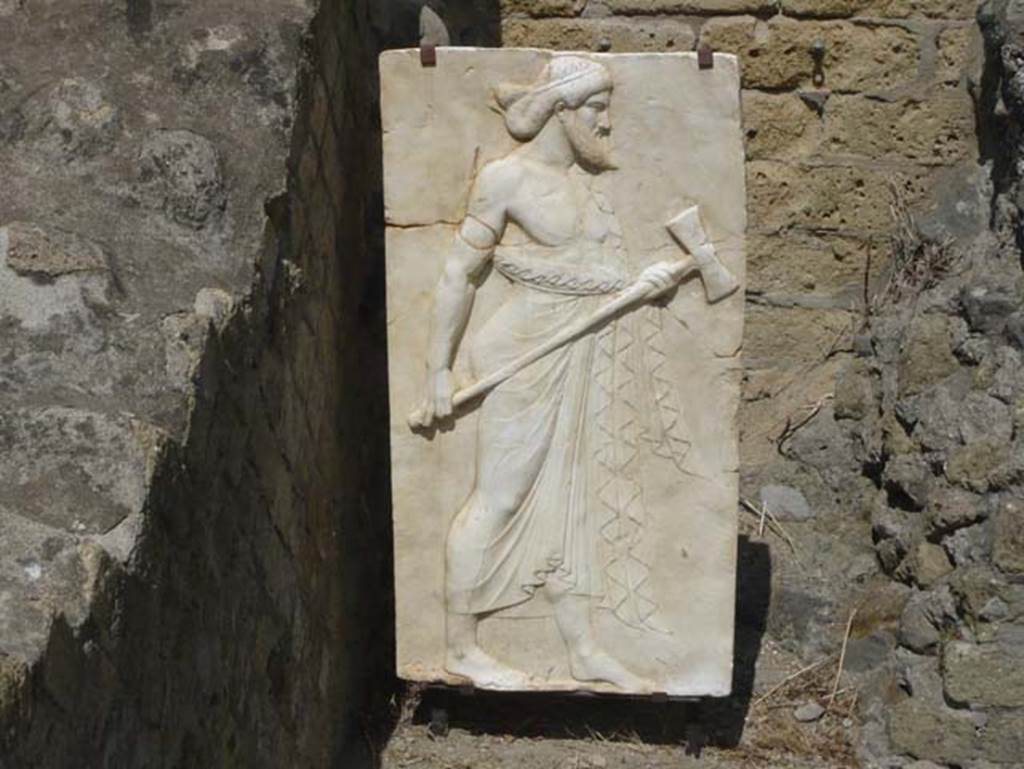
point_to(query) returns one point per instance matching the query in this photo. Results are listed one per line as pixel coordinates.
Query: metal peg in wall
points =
(705, 57)
(433, 33)
(818, 54)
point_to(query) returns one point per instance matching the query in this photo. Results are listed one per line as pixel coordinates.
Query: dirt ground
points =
(449, 729)
(414, 747)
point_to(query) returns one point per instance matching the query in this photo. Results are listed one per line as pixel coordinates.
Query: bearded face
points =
(588, 129)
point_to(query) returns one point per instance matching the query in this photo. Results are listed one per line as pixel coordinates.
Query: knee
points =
(502, 503)
(479, 519)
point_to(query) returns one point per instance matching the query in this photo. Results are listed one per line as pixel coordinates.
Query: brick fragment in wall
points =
(617, 35)
(894, 9)
(542, 7)
(777, 53)
(797, 262)
(936, 129)
(691, 6)
(839, 197)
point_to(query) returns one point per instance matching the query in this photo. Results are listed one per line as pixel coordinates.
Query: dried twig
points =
(789, 679)
(919, 261)
(842, 659)
(763, 513)
(790, 429)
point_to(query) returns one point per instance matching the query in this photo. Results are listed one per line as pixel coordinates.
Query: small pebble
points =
(809, 711)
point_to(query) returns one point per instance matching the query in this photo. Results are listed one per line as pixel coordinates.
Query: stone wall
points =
(194, 538)
(887, 105)
(882, 425)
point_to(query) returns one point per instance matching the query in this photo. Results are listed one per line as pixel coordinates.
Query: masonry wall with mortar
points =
(890, 105)
(193, 513)
(193, 504)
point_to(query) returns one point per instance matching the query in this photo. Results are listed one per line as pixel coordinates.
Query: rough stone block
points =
(72, 121)
(180, 173)
(909, 476)
(75, 470)
(542, 7)
(779, 337)
(924, 617)
(939, 9)
(970, 545)
(958, 52)
(951, 508)
(938, 129)
(821, 197)
(926, 564)
(855, 392)
(1004, 737)
(1009, 536)
(932, 732)
(786, 503)
(977, 466)
(691, 6)
(779, 126)
(991, 675)
(617, 35)
(794, 262)
(778, 53)
(927, 356)
(46, 252)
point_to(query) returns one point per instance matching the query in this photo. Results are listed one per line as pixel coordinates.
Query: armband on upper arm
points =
(477, 234)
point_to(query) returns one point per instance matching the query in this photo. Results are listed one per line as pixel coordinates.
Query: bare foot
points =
(485, 671)
(599, 666)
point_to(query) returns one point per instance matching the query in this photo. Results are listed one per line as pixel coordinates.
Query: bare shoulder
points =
(494, 189)
(501, 177)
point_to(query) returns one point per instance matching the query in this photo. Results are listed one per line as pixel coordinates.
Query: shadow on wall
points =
(693, 724)
(469, 22)
(394, 24)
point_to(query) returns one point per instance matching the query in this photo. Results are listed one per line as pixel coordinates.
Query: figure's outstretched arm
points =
(473, 247)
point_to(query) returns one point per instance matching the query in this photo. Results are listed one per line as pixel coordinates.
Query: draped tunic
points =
(571, 423)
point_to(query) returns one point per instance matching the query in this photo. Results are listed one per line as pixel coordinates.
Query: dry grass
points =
(773, 731)
(919, 261)
(774, 734)
(766, 521)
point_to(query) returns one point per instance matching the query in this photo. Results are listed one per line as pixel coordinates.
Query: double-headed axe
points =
(685, 228)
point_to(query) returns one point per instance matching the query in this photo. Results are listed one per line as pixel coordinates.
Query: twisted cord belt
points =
(559, 277)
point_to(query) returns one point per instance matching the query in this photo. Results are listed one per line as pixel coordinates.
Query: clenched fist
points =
(660, 276)
(437, 403)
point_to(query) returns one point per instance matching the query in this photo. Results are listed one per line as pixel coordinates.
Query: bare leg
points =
(474, 526)
(586, 659)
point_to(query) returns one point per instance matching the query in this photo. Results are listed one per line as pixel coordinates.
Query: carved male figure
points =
(532, 522)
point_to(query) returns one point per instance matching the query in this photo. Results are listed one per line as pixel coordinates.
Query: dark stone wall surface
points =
(194, 546)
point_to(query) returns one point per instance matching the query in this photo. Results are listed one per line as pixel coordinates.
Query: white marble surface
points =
(612, 459)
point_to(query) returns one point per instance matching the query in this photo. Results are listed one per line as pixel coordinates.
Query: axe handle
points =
(634, 295)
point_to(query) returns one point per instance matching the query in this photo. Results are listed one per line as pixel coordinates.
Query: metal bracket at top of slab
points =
(433, 33)
(705, 57)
